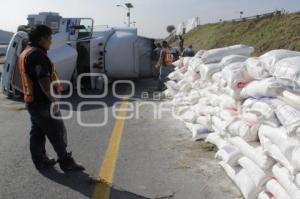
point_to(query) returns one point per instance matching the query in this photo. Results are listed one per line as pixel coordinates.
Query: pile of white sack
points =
(249, 108)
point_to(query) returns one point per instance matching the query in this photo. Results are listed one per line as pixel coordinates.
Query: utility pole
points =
(128, 16)
(241, 14)
(127, 6)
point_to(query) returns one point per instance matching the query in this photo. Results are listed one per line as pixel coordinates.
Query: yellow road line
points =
(106, 173)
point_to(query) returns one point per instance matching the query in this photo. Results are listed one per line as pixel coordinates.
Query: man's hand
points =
(45, 84)
(56, 109)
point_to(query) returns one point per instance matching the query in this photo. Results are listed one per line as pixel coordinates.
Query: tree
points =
(170, 29)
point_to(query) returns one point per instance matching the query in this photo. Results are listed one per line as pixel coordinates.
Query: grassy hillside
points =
(281, 31)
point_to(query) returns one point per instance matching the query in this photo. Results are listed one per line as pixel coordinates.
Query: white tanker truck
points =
(77, 48)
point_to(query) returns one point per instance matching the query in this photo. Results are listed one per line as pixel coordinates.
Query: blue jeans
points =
(163, 73)
(42, 126)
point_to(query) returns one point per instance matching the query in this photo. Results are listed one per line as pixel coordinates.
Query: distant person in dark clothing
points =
(175, 53)
(181, 44)
(188, 52)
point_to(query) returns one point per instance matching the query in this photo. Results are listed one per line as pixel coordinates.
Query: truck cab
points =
(117, 53)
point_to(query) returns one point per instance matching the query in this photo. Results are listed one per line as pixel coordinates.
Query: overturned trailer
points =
(117, 53)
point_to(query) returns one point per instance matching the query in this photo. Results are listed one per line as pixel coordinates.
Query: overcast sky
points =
(151, 16)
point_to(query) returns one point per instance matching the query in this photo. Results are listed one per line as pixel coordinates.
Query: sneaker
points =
(68, 164)
(45, 162)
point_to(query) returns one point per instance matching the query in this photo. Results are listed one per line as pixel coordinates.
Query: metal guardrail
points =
(270, 14)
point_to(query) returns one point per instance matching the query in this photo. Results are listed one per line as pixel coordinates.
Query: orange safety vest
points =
(168, 59)
(27, 83)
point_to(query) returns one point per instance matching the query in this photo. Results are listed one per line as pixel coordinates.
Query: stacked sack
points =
(247, 107)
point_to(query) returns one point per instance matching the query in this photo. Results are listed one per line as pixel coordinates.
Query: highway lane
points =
(145, 157)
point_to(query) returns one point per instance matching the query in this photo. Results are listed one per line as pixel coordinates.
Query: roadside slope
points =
(280, 31)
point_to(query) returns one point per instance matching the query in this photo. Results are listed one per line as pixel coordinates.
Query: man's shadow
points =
(85, 184)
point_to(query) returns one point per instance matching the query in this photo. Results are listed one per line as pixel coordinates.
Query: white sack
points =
(232, 59)
(258, 176)
(249, 127)
(195, 63)
(198, 131)
(186, 61)
(256, 68)
(205, 121)
(169, 93)
(248, 103)
(277, 190)
(297, 180)
(283, 177)
(200, 53)
(172, 85)
(272, 57)
(275, 153)
(181, 110)
(291, 98)
(216, 55)
(215, 139)
(236, 75)
(189, 117)
(287, 145)
(242, 180)
(234, 128)
(217, 77)
(201, 109)
(218, 124)
(178, 64)
(265, 195)
(207, 70)
(193, 97)
(288, 116)
(263, 88)
(180, 101)
(288, 69)
(176, 75)
(229, 154)
(227, 102)
(186, 88)
(246, 185)
(230, 171)
(229, 115)
(254, 152)
(264, 112)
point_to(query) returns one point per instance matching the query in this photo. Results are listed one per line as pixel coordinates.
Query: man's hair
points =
(38, 32)
(165, 44)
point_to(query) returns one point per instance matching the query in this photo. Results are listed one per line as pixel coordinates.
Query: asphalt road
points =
(143, 157)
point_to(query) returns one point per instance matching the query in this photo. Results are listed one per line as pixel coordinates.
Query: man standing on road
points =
(164, 64)
(37, 74)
